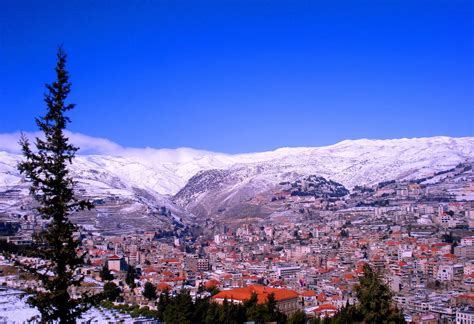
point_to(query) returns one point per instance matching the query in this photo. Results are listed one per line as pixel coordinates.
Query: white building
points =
(116, 263)
(287, 271)
(465, 316)
(467, 241)
(449, 272)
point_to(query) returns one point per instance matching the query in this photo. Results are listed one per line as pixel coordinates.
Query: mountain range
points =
(201, 182)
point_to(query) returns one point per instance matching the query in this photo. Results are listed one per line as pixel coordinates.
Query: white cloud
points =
(88, 144)
(101, 146)
(9, 141)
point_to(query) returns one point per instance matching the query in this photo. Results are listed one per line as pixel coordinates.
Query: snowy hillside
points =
(350, 162)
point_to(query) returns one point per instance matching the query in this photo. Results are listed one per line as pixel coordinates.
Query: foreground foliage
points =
(374, 303)
(374, 307)
(46, 167)
(183, 310)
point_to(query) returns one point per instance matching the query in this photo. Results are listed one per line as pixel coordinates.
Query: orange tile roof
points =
(326, 307)
(321, 297)
(262, 292)
(162, 286)
(169, 260)
(150, 269)
(392, 243)
(308, 293)
(212, 283)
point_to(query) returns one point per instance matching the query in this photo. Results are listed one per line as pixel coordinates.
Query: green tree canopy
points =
(149, 291)
(130, 276)
(105, 274)
(47, 169)
(374, 303)
(180, 310)
(111, 291)
(375, 300)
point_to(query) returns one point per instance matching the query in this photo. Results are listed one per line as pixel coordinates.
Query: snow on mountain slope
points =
(350, 162)
(363, 162)
(370, 161)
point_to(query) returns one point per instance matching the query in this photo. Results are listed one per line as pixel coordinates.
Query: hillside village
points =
(309, 252)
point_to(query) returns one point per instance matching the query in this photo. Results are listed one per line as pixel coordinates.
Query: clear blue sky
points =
(242, 76)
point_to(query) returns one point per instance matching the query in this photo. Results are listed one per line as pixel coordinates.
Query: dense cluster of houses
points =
(310, 266)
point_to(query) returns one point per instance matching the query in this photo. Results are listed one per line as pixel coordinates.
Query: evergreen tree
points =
(163, 302)
(252, 309)
(213, 314)
(213, 290)
(298, 317)
(201, 308)
(345, 315)
(46, 167)
(271, 312)
(111, 291)
(149, 291)
(180, 310)
(375, 303)
(375, 300)
(130, 277)
(316, 320)
(231, 313)
(105, 274)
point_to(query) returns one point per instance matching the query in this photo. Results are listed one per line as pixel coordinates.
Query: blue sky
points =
(243, 76)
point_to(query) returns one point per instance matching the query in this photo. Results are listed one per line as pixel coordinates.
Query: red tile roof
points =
(212, 283)
(309, 293)
(162, 286)
(262, 292)
(326, 307)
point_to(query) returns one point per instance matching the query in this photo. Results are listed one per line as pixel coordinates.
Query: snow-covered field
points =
(15, 310)
(13, 307)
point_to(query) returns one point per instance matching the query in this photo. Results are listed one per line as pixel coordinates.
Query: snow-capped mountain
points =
(350, 162)
(164, 173)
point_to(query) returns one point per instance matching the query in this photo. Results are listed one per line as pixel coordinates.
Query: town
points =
(414, 233)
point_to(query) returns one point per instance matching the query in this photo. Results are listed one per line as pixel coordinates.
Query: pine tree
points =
(163, 302)
(201, 309)
(46, 168)
(149, 291)
(299, 317)
(130, 277)
(180, 310)
(231, 313)
(375, 303)
(271, 311)
(375, 300)
(252, 309)
(212, 314)
(111, 291)
(105, 274)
